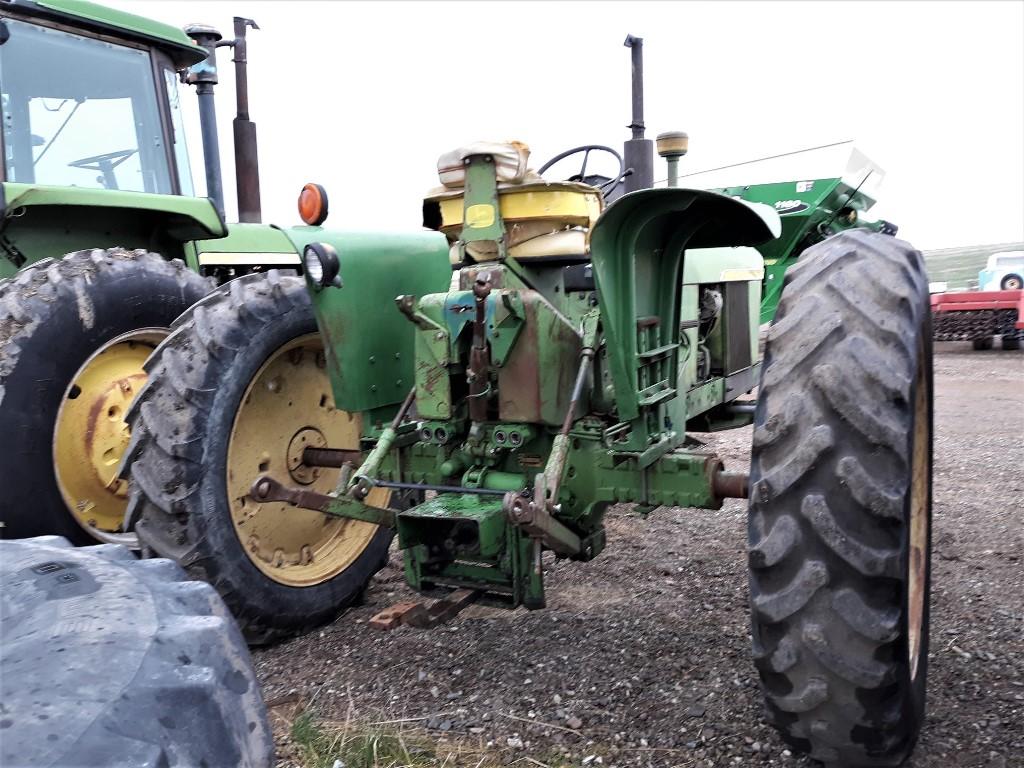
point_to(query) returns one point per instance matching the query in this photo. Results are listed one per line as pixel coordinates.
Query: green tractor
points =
(840, 188)
(486, 389)
(102, 243)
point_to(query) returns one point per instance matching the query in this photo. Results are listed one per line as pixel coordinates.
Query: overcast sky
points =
(363, 97)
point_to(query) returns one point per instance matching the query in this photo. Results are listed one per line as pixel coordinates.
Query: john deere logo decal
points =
(783, 207)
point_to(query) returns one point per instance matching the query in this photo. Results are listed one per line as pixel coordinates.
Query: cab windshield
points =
(80, 112)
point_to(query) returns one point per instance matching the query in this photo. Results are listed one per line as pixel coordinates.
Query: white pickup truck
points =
(1003, 272)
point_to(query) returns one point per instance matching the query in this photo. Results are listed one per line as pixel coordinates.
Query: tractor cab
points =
(81, 110)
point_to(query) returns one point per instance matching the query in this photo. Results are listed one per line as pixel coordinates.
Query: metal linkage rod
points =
(364, 476)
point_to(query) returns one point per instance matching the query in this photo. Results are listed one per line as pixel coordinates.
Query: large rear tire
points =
(74, 334)
(236, 391)
(840, 505)
(108, 661)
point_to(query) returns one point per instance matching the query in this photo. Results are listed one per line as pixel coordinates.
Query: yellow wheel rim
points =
(288, 406)
(90, 434)
(918, 566)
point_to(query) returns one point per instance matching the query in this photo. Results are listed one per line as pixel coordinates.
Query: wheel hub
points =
(288, 407)
(90, 434)
(310, 437)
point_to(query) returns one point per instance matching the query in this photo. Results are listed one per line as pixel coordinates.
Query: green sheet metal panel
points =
(40, 221)
(112, 21)
(637, 250)
(802, 207)
(368, 342)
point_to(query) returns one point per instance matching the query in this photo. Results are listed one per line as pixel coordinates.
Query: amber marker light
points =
(313, 204)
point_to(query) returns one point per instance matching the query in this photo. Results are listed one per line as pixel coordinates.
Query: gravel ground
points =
(643, 656)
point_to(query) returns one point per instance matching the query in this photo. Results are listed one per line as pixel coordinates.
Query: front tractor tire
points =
(74, 334)
(840, 503)
(237, 391)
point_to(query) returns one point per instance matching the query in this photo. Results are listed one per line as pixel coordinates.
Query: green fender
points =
(39, 221)
(368, 342)
(637, 247)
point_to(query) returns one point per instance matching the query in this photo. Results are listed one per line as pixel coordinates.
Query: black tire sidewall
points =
(866, 721)
(124, 296)
(1007, 278)
(214, 530)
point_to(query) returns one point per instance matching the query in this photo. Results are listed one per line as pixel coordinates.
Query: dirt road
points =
(643, 656)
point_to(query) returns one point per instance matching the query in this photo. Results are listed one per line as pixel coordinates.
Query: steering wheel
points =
(603, 183)
(105, 164)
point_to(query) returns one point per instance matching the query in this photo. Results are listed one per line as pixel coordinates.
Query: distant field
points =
(959, 266)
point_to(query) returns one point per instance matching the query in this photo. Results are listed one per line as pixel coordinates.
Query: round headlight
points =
(321, 263)
(314, 269)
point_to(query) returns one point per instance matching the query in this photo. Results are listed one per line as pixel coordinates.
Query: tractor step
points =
(427, 614)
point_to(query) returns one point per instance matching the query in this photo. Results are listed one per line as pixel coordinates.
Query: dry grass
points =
(325, 744)
(317, 742)
(322, 745)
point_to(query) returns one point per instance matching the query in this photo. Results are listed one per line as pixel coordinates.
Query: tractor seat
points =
(544, 220)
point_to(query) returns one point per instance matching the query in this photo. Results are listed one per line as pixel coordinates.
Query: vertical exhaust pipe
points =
(204, 77)
(247, 167)
(638, 152)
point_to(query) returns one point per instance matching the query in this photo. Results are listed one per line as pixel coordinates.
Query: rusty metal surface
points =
(536, 380)
(730, 485)
(478, 376)
(532, 517)
(330, 457)
(425, 615)
(268, 489)
(247, 171)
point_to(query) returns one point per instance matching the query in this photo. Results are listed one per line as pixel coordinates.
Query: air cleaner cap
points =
(673, 144)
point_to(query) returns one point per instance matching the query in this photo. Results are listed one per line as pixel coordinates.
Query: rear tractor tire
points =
(238, 390)
(840, 503)
(74, 334)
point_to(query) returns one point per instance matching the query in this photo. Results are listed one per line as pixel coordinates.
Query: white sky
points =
(363, 97)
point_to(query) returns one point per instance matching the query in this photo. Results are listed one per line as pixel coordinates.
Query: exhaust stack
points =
(247, 166)
(204, 77)
(638, 152)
